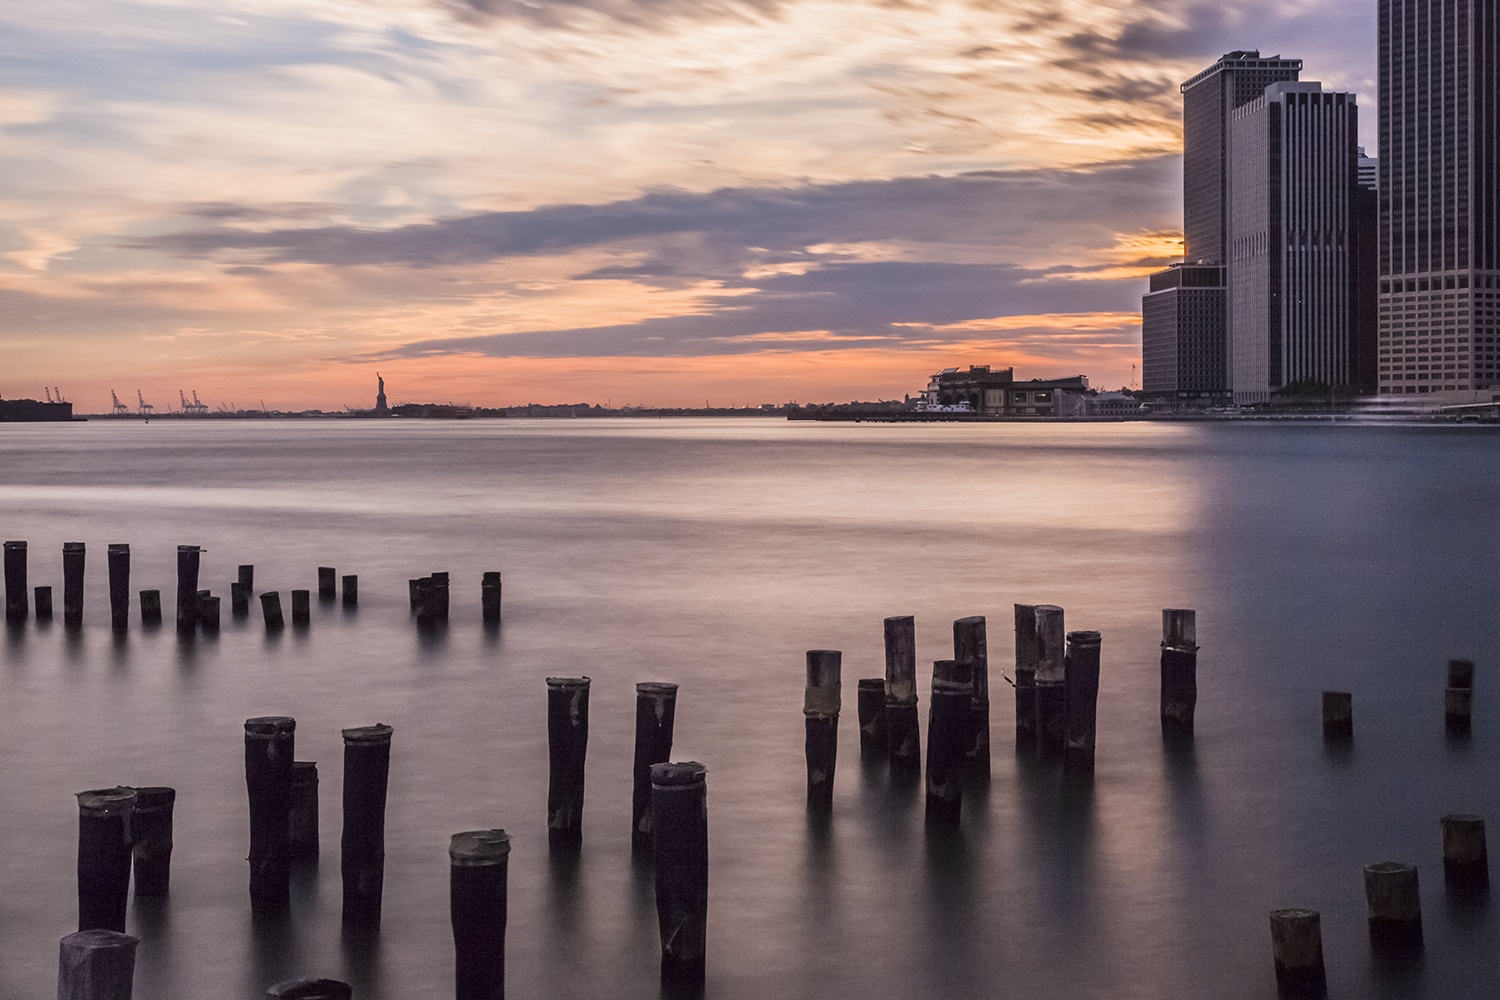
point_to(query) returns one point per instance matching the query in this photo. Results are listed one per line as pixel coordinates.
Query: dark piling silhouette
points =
(1395, 907)
(302, 815)
(902, 730)
(1458, 699)
(414, 592)
(949, 720)
(119, 586)
(270, 743)
(328, 583)
(270, 609)
(489, 597)
(239, 600)
(478, 866)
(43, 597)
(970, 646)
(1179, 672)
(151, 833)
(1026, 657)
(310, 989)
(567, 749)
(1080, 706)
(655, 713)
(820, 709)
(96, 964)
(1466, 864)
(1297, 949)
(367, 768)
(679, 808)
(301, 608)
(1338, 715)
(15, 582)
(73, 557)
(104, 857)
(871, 707)
(1051, 676)
(187, 589)
(424, 602)
(351, 590)
(246, 577)
(208, 614)
(440, 598)
(151, 607)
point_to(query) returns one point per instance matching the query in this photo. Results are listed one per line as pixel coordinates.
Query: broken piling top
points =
(479, 848)
(678, 774)
(1179, 628)
(952, 677)
(576, 687)
(310, 989)
(969, 644)
(658, 693)
(1026, 648)
(901, 660)
(1050, 644)
(1461, 673)
(368, 735)
(822, 695)
(269, 727)
(107, 802)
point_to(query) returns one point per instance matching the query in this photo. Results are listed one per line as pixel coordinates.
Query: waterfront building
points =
(1183, 342)
(1291, 261)
(1439, 284)
(996, 393)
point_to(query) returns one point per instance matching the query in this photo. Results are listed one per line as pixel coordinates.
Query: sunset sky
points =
(653, 202)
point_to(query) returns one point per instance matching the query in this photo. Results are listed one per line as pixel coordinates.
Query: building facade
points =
(1291, 262)
(996, 393)
(1439, 291)
(1183, 336)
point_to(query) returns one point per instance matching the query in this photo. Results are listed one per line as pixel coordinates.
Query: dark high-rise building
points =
(1182, 335)
(1439, 298)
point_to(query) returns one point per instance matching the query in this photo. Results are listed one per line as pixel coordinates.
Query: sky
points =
(624, 202)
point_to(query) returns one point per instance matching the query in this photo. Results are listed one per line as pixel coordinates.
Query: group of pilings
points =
(429, 598)
(1458, 706)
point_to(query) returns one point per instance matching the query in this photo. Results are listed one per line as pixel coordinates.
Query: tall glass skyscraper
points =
(1439, 196)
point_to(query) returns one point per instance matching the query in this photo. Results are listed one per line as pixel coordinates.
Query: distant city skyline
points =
(598, 200)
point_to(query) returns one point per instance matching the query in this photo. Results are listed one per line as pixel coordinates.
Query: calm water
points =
(713, 553)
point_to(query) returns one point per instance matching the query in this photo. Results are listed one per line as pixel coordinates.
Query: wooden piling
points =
(1466, 865)
(187, 589)
(301, 608)
(1395, 906)
(104, 857)
(208, 614)
(150, 607)
(367, 768)
(1026, 656)
(970, 646)
(43, 597)
(16, 608)
(151, 839)
(97, 964)
(655, 714)
(239, 600)
(351, 590)
(1338, 715)
(820, 710)
(478, 866)
(119, 586)
(489, 597)
(440, 597)
(310, 989)
(902, 729)
(1458, 699)
(270, 743)
(949, 719)
(1179, 672)
(679, 811)
(414, 592)
(567, 748)
(425, 603)
(270, 609)
(1081, 703)
(1051, 676)
(328, 587)
(871, 707)
(245, 574)
(73, 564)
(302, 814)
(1297, 948)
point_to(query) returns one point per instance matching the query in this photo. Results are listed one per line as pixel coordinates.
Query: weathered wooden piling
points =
(245, 574)
(43, 597)
(1179, 672)
(478, 866)
(949, 719)
(96, 964)
(151, 839)
(104, 857)
(150, 607)
(902, 730)
(270, 743)
(302, 815)
(15, 582)
(187, 589)
(970, 646)
(440, 597)
(820, 709)
(567, 748)
(1081, 703)
(1051, 677)
(301, 608)
(1458, 699)
(310, 989)
(1026, 655)
(119, 586)
(655, 713)
(679, 814)
(425, 602)
(239, 600)
(208, 614)
(1466, 864)
(1395, 906)
(871, 707)
(414, 592)
(1338, 715)
(328, 587)
(351, 590)
(367, 768)
(270, 609)
(73, 558)
(489, 597)
(1297, 948)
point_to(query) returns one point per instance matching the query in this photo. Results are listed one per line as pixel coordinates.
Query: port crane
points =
(49, 394)
(120, 408)
(198, 405)
(141, 403)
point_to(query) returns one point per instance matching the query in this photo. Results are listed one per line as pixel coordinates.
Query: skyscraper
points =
(1439, 196)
